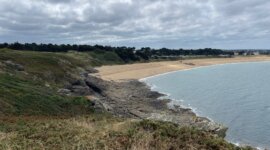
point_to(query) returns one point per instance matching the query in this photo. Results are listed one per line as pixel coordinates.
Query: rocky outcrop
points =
(15, 66)
(134, 99)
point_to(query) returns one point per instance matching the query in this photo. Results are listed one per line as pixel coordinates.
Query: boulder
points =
(91, 70)
(96, 84)
(80, 90)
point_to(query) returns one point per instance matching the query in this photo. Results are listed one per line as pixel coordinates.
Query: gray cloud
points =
(156, 23)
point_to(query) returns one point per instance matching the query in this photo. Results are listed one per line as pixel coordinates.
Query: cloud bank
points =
(156, 23)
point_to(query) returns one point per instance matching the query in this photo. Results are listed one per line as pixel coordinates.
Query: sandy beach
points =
(143, 70)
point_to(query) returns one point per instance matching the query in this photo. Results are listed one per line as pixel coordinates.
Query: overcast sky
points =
(224, 24)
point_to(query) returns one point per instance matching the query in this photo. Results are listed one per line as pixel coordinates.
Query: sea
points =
(236, 95)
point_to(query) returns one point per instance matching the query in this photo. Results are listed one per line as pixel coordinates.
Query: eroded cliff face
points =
(134, 99)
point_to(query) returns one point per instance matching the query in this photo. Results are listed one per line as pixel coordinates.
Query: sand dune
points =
(142, 70)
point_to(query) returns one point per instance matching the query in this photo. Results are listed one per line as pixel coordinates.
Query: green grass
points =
(34, 91)
(54, 68)
(106, 57)
(26, 97)
(58, 68)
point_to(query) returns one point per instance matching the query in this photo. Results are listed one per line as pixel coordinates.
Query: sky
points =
(226, 24)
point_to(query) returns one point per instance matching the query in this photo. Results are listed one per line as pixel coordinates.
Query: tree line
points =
(125, 53)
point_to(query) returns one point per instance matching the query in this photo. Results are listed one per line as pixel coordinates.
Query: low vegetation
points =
(102, 131)
(33, 115)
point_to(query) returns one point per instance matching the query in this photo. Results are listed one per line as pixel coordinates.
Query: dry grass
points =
(102, 131)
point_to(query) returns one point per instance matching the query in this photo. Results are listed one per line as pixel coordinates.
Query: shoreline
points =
(135, 99)
(179, 101)
(199, 67)
(140, 71)
(172, 111)
(171, 104)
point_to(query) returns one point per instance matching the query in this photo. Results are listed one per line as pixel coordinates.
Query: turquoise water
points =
(236, 95)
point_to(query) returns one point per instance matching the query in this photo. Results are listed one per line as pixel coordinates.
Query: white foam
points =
(243, 145)
(173, 102)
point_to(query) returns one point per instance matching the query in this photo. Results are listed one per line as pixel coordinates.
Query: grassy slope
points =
(39, 118)
(33, 92)
(26, 97)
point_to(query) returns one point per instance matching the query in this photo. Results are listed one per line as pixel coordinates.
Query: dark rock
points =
(91, 70)
(94, 87)
(154, 94)
(159, 104)
(78, 82)
(96, 84)
(84, 74)
(86, 86)
(64, 91)
(80, 90)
